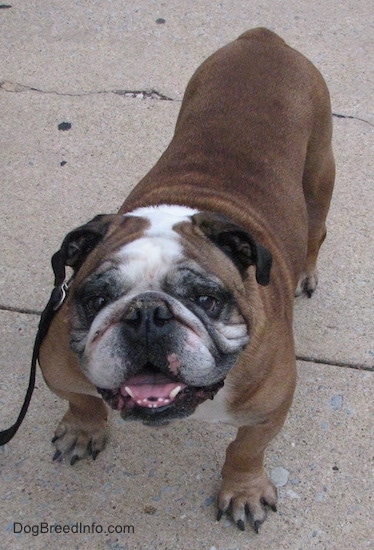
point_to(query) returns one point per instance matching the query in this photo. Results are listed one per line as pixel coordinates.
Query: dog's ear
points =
(78, 244)
(236, 243)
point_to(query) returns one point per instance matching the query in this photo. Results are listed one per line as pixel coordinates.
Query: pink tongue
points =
(151, 391)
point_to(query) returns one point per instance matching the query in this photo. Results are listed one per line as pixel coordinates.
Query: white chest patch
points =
(146, 260)
(215, 410)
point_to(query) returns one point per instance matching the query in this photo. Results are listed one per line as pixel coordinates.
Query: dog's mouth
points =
(155, 397)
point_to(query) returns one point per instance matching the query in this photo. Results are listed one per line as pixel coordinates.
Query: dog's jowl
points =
(181, 304)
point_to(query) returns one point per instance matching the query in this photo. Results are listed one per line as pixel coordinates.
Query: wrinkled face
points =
(156, 332)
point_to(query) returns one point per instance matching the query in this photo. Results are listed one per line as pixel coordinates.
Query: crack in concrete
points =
(14, 87)
(338, 115)
(143, 94)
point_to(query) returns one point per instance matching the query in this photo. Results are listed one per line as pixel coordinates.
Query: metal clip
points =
(63, 290)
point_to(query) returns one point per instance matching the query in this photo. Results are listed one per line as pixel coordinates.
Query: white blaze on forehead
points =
(149, 258)
(162, 218)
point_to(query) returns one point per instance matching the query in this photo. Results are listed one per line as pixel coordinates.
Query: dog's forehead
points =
(149, 257)
(163, 218)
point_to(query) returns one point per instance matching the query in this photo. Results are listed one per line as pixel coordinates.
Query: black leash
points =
(55, 301)
(75, 248)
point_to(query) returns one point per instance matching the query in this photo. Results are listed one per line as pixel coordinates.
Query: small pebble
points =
(210, 500)
(293, 494)
(149, 509)
(336, 402)
(279, 476)
(63, 126)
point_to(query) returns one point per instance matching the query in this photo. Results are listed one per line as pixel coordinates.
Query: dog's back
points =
(254, 126)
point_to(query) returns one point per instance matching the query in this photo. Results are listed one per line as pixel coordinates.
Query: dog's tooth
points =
(127, 389)
(175, 392)
(162, 400)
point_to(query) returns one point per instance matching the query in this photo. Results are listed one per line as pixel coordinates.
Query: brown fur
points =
(252, 142)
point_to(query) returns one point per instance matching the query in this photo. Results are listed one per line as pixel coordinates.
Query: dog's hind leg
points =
(318, 183)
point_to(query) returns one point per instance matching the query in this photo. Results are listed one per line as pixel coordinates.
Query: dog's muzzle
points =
(148, 321)
(154, 393)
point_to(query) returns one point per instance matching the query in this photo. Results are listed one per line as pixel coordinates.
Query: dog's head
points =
(157, 308)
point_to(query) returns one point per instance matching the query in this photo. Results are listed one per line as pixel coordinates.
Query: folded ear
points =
(78, 244)
(236, 243)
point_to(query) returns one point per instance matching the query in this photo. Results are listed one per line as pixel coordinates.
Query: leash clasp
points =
(62, 289)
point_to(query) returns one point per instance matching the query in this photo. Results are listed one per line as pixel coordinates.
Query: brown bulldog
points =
(182, 303)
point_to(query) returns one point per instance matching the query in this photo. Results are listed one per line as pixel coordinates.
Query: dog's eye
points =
(95, 304)
(208, 303)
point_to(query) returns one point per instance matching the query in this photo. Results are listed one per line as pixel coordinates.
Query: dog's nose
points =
(148, 321)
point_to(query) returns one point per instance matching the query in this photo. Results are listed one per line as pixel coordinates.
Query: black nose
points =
(147, 321)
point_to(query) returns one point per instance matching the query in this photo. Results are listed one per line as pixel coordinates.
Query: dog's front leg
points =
(246, 489)
(81, 432)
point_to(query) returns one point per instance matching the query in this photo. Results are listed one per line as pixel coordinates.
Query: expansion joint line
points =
(303, 358)
(332, 363)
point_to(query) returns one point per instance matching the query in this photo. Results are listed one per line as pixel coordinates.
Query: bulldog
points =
(181, 304)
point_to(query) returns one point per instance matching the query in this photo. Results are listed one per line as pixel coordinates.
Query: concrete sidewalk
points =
(116, 71)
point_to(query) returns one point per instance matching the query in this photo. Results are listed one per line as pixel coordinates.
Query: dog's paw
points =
(307, 283)
(247, 498)
(76, 438)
